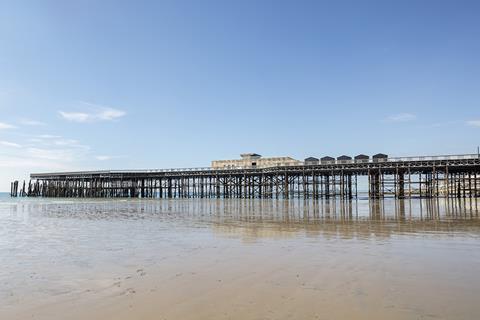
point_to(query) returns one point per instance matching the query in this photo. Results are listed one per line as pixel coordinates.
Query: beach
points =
(239, 259)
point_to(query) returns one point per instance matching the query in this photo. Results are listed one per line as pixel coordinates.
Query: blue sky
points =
(154, 84)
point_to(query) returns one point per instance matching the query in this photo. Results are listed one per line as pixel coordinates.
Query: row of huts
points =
(361, 158)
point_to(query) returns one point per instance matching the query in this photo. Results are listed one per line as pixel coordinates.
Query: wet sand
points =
(239, 259)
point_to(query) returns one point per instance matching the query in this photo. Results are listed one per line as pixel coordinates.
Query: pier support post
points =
(327, 186)
(349, 184)
(401, 185)
(375, 184)
(286, 186)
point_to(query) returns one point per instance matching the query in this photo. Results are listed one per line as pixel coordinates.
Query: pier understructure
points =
(452, 176)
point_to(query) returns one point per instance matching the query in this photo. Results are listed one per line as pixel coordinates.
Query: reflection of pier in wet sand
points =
(267, 217)
(261, 258)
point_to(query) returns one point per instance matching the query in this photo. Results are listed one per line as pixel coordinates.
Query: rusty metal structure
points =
(427, 176)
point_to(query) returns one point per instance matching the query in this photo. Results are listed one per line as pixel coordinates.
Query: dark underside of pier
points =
(400, 179)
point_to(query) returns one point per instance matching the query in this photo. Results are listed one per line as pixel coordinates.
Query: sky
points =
(90, 85)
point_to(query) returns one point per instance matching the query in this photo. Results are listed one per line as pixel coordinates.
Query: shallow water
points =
(239, 259)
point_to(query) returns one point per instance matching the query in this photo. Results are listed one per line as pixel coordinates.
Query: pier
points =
(406, 177)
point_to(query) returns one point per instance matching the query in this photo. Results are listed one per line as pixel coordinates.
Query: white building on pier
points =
(254, 160)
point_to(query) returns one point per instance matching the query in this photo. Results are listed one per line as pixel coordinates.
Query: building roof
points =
(243, 155)
(380, 155)
(327, 158)
(362, 156)
(311, 159)
(344, 157)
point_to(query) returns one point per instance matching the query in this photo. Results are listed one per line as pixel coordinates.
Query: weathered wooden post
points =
(401, 185)
(349, 183)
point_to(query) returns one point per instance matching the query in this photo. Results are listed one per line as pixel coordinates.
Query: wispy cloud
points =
(106, 158)
(54, 141)
(47, 136)
(23, 163)
(75, 116)
(401, 117)
(49, 147)
(440, 124)
(10, 144)
(109, 114)
(474, 123)
(66, 142)
(103, 158)
(92, 114)
(4, 125)
(44, 138)
(31, 122)
(64, 155)
(40, 153)
(58, 149)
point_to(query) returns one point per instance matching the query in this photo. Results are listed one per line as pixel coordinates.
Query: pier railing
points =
(392, 159)
(424, 176)
(197, 169)
(441, 157)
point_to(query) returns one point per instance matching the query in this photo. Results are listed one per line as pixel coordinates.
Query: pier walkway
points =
(426, 176)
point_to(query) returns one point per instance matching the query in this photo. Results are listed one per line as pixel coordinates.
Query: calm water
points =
(239, 259)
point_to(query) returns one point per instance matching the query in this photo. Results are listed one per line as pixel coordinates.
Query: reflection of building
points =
(253, 160)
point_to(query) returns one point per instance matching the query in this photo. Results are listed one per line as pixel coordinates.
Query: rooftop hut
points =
(327, 160)
(250, 156)
(362, 158)
(250, 159)
(344, 159)
(380, 157)
(311, 161)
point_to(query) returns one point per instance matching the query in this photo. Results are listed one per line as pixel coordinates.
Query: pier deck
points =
(428, 176)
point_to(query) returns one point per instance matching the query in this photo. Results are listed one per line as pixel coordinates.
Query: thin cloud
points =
(51, 154)
(75, 116)
(474, 123)
(20, 161)
(106, 158)
(440, 124)
(46, 153)
(48, 136)
(69, 154)
(109, 114)
(30, 122)
(10, 144)
(65, 142)
(401, 117)
(93, 113)
(55, 141)
(44, 138)
(4, 125)
(52, 148)
(103, 158)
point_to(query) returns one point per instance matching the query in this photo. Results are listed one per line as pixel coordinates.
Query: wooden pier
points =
(432, 176)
